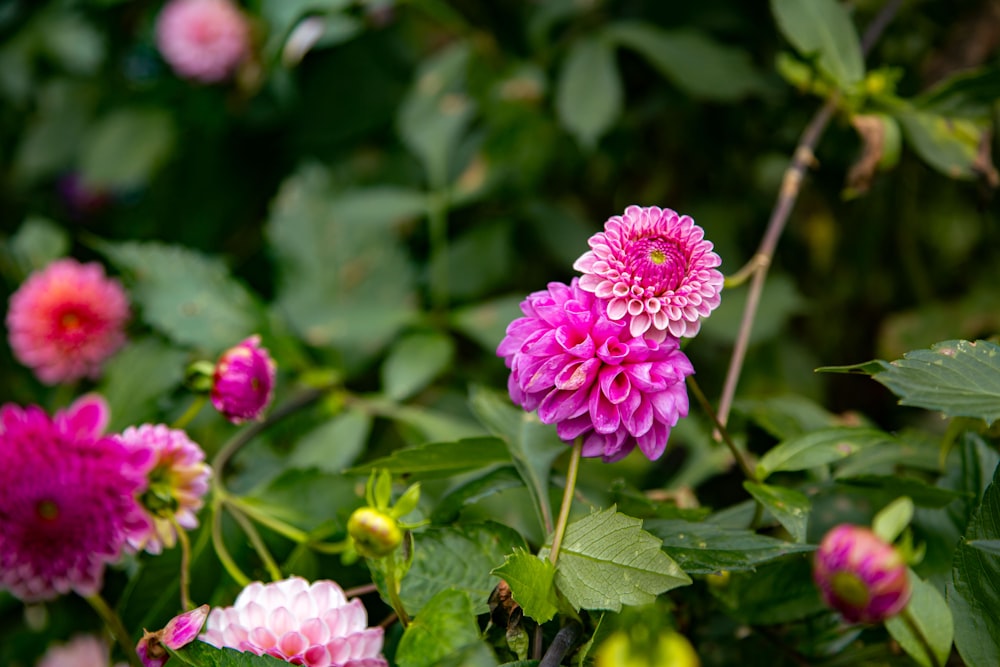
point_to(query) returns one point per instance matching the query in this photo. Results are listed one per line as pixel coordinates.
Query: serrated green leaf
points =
(476, 489)
(459, 557)
(928, 611)
(192, 298)
(589, 93)
(443, 628)
(778, 592)
(892, 520)
(818, 448)
(608, 561)
(986, 546)
(335, 444)
(973, 595)
(124, 149)
(440, 459)
(920, 492)
(788, 506)
(957, 377)
(950, 145)
(823, 28)
(414, 361)
(136, 378)
(200, 654)
(531, 584)
(704, 548)
(694, 62)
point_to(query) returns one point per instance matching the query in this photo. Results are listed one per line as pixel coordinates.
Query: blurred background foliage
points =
(383, 182)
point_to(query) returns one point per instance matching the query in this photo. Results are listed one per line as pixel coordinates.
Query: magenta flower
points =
(860, 576)
(80, 651)
(177, 479)
(66, 320)
(300, 623)
(204, 40)
(178, 633)
(585, 373)
(67, 499)
(654, 267)
(243, 381)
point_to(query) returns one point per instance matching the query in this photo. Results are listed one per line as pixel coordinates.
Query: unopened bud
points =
(375, 534)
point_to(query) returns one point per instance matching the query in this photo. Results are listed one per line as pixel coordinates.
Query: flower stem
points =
(567, 500)
(115, 625)
(265, 519)
(255, 540)
(740, 457)
(192, 411)
(915, 628)
(392, 584)
(220, 546)
(185, 577)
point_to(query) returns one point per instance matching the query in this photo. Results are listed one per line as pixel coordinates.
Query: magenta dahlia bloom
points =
(178, 633)
(654, 268)
(67, 499)
(243, 381)
(80, 651)
(66, 320)
(177, 480)
(298, 622)
(588, 375)
(860, 575)
(204, 40)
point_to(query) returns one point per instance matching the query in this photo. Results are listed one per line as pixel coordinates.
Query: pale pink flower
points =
(298, 622)
(204, 40)
(588, 375)
(243, 382)
(66, 320)
(67, 499)
(860, 575)
(655, 268)
(80, 651)
(178, 633)
(177, 480)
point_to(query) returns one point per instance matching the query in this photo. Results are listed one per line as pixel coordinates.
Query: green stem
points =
(115, 625)
(185, 578)
(741, 459)
(220, 546)
(925, 644)
(392, 588)
(255, 540)
(192, 411)
(567, 500)
(265, 519)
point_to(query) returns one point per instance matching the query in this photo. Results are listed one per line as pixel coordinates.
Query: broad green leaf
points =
(534, 446)
(307, 499)
(136, 378)
(987, 546)
(459, 557)
(589, 92)
(440, 459)
(778, 592)
(125, 148)
(823, 28)
(893, 519)
(787, 415)
(788, 506)
(950, 145)
(200, 654)
(50, 139)
(966, 94)
(704, 548)
(486, 322)
(437, 111)
(446, 626)
(919, 491)
(335, 444)
(430, 425)
(414, 361)
(37, 242)
(608, 561)
(479, 260)
(531, 584)
(973, 594)
(190, 297)
(75, 43)
(818, 448)
(928, 611)
(694, 62)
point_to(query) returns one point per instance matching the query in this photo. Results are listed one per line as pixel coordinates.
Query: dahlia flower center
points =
(657, 262)
(47, 510)
(850, 589)
(159, 496)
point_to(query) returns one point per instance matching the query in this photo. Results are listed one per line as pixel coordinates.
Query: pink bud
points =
(243, 381)
(179, 632)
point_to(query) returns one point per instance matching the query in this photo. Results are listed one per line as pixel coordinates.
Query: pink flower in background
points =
(243, 381)
(67, 499)
(298, 622)
(204, 40)
(80, 651)
(586, 373)
(654, 267)
(178, 633)
(860, 575)
(66, 320)
(177, 479)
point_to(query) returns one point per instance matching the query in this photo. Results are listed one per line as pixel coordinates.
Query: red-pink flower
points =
(67, 499)
(204, 40)
(298, 622)
(243, 381)
(654, 268)
(586, 373)
(860, 575)
(177, 479)
(66, 320)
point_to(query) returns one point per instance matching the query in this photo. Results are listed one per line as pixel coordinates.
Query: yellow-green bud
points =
(375, 534)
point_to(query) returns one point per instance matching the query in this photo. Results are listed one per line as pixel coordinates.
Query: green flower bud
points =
(375, 534)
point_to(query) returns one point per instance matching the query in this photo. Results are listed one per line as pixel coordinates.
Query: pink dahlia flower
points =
(204, 40)
(243, 381)
(177, 480)
(860, 576)
(300, 623)
(178, 633)
(80, 651)
(588, 375)
(66, 320)
(67, 499)
(654, 267)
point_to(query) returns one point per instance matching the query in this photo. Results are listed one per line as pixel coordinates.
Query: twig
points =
(560, 646)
